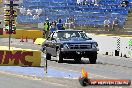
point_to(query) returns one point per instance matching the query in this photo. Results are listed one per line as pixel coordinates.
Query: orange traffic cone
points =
(26, 39)
(22, 39)
(84, 74)
(84, 80)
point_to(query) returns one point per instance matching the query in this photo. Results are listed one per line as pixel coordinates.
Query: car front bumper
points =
(79, 50)
(74, 53)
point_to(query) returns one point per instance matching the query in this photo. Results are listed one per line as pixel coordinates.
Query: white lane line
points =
(95, 75)
(31, 77)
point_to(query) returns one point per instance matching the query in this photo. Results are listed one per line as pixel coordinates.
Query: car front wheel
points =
(93, 58)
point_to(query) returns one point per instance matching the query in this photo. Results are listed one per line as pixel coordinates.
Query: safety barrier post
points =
(45, 66)
(118, 47)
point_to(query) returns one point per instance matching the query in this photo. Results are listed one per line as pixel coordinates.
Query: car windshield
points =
(70, 34)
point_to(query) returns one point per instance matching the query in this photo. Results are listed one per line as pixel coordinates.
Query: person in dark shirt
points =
(53, 27)
(60, 25)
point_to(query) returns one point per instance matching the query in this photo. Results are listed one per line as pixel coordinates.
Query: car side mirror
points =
(90, 38)
(53, 38)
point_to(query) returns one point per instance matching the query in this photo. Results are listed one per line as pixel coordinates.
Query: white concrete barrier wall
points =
(109, 44)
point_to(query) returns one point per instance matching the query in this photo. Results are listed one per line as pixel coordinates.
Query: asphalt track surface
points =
(107, 67)
(17, 81)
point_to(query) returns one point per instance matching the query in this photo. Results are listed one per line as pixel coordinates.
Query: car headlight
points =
(66, 46)
(94, 45)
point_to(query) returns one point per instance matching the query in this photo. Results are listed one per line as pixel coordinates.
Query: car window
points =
(61, 35)
(71, 34)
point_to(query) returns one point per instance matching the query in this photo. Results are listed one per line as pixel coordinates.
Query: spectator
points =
(115, 24)
(94, 2)
(106, 24)
(124, 3)
(59, 25)
(72, 25)
(69, 24)
(87, 2)
(53, 27)
(46, 28)
(79, 1)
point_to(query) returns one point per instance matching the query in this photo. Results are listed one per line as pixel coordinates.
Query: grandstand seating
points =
(90, 15)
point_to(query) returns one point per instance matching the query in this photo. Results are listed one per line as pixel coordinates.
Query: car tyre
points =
(93, 59)
(59, 56)
(48, 56)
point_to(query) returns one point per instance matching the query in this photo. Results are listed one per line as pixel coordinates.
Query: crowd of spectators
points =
(49, 27)
(125, 3)
(88, 2)
(112, 25)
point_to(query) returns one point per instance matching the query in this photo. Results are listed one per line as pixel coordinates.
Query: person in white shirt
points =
(115, 24)
(106, 24)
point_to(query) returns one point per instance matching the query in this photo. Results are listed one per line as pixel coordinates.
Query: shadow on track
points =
(71, 61)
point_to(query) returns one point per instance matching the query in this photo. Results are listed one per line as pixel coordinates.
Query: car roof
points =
(67, 30)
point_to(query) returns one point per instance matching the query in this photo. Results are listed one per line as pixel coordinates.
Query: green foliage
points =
(130, 42)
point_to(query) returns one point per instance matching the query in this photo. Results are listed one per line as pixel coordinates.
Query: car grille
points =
(80, 46)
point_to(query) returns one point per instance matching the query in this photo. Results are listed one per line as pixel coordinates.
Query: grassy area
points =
(87, 28)
(129, 18)
(101, 31)
(130, 36)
